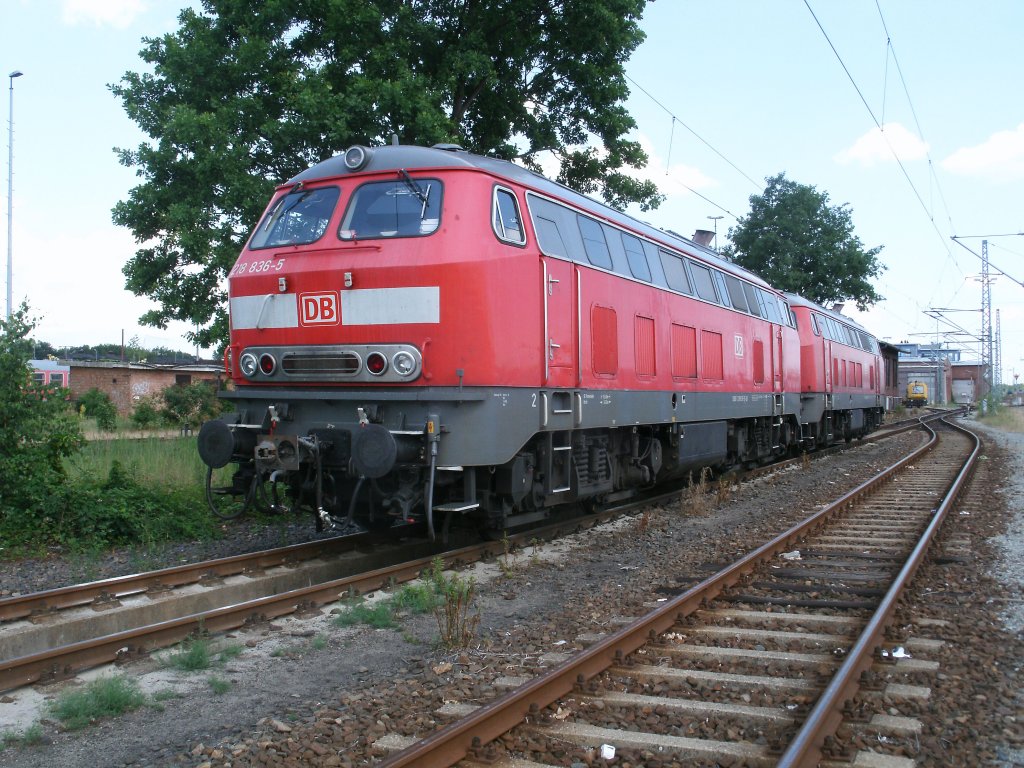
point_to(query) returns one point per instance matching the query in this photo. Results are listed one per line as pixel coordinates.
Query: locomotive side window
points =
(297, 218)
(594, 243)
(723, 291)
(550, 238)
(556, 231)
(750, 292)
(636, 257)
(508, 225)
(736, 297)
(404, 208)
(771, 307)
(702, 282)
(675, 272)
(814, 325)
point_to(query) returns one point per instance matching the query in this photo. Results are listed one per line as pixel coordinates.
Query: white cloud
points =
(1001, 157)
(874, 146)
(669, 176)
(101, 13)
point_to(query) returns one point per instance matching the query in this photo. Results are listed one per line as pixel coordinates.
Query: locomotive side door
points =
(561, 333)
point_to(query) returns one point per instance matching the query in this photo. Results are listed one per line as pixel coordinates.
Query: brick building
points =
(127, 383)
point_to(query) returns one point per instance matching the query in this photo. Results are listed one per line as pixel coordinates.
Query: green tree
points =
(246, 93)
(37, 429)
(796, 241)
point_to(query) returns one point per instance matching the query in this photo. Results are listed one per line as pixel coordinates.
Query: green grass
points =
(1009, 419)
(219, 685)
(380, 615)
(27, 738)
(105, 697)
(151, 462)
(197, 654)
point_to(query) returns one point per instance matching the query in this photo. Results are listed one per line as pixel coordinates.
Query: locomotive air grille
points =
(344, 364)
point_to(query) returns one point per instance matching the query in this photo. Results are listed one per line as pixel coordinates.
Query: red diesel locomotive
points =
(422, 333)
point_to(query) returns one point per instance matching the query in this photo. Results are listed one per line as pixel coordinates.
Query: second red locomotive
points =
(419, 333)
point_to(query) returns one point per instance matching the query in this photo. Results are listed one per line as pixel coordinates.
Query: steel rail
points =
(806, 749)
(66, 660)
(470, 734)
(61, 598)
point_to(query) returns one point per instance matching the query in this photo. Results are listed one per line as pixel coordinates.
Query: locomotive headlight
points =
(267, 364)
(248, 364)
(403, 363)
(376, 363)
(356, 157)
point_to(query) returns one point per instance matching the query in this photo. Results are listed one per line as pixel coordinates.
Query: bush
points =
(96, 404)
(146, 414)
(37, 432)
(191, 404)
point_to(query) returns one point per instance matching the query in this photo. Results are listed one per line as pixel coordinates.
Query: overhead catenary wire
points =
(913, 112)
(705, 142)
(874, 118)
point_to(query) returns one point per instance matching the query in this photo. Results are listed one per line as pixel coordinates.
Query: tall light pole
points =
(715, 219)
(10, 191)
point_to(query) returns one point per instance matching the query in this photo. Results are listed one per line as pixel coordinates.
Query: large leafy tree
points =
(247, 93)
(796, 241)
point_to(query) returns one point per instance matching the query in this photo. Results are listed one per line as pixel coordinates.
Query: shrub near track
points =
(42, 504)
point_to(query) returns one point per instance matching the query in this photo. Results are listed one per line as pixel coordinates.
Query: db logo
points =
(319, 308)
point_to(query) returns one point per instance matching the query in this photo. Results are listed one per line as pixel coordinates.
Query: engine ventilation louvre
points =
(345, 363)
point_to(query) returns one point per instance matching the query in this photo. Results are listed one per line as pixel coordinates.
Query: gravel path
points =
(307, 692)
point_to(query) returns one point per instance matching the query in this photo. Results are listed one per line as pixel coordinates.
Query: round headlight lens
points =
(403, 363)
(267, 364)
(356, 157)
(248, 364)
(376, 363)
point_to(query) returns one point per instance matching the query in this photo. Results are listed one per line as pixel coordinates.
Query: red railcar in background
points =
(841, 375)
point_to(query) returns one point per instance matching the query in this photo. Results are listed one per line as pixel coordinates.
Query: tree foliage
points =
(246, 93)
(96, 404)
(191, 404)
(796, 241)
(37, 428)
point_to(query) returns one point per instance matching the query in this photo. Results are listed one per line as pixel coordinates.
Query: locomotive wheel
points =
(228, 502)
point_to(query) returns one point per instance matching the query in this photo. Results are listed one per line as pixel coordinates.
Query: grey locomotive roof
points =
(395, 157)
(797, 300)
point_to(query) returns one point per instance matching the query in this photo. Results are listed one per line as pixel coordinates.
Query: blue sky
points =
(758, 81)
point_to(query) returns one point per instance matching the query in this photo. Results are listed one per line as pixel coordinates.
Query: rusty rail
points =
(468, 736)
(806, 748)
(51, 600)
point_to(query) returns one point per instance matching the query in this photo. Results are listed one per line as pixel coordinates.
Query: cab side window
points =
(508, 225)
(594, 243)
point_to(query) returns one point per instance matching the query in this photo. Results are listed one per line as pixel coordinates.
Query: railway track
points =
(782, 658)
(53, 634)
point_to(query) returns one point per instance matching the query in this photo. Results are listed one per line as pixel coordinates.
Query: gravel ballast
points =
(307, 692)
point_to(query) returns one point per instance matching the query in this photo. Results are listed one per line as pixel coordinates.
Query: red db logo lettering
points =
(319, 308)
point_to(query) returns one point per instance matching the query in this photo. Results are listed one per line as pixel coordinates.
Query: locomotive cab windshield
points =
(404, 208)
(298, 218)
